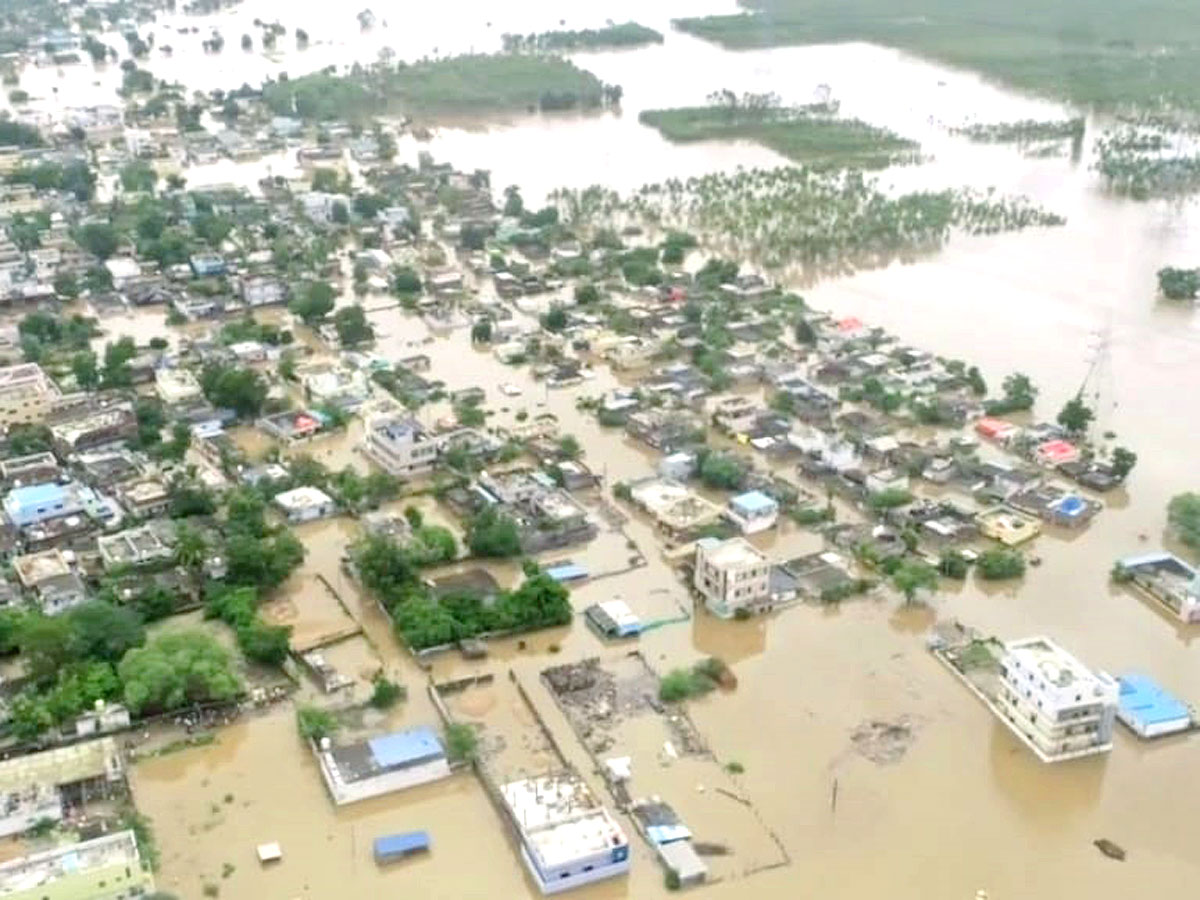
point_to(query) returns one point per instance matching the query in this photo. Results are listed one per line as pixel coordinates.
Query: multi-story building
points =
(567, 838)
(1054, 703)
(731, 575)
(26, 394)
(400, 446)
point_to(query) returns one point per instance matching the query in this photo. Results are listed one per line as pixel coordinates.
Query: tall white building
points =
(400, 446)
(567, 838)
(1058, 706)
(731, 575)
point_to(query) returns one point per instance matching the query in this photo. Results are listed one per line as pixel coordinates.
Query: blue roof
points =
(567, 572)
(753, 502)
(1070, 505)
(406, 747)
(1144, 699)
(36, 494)
(399, 844)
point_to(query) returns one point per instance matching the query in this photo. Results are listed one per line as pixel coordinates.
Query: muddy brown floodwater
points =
(964, 807)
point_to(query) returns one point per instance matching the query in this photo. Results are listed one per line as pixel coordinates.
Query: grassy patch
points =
(1109, 54)
(817, 141)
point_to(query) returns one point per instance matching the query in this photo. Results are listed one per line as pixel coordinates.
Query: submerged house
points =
(1166, 578)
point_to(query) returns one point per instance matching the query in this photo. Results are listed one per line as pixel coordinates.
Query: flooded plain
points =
(964, 807)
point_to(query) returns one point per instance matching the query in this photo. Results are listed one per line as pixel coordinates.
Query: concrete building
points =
(567, 838)
(400, 446)
(752, 512)
(94, 428)
(144, 545)
(35, 468)
(105, 868)
(1148, 709)
(383, 764)
(177, 387)
(50, 575)
(26, 394)
(731, 575)
(304, 504)
(40, 502)
(1057, 706)
(37, 786)
(344, 388)
(1169, 580)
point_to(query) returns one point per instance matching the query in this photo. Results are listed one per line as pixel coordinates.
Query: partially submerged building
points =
(1167, 579)
(382, 764)
(567, 838)
(731, 575)
(1057, 706)
(39, 786)
(304, 504)
(673, 506)
(104, 868)
(752, 512)
(26, 394)
(400, 446)
(1148, 709)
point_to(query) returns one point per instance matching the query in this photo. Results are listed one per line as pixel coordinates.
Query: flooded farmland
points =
(963, 807)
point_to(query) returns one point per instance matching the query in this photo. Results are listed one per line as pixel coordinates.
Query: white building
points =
(567, 838)
(1057, 706)
(176, 387)
(26, 394)
(400, 446)
(303, 504)
(730, 575)
(752, 512)
(344, 388)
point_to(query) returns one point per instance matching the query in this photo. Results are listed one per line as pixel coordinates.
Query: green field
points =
(818, 141)
(627, 34)
(460, 85)
(1106, 54)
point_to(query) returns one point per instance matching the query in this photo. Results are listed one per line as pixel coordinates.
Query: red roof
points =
(305, 422)
(992, 427)
(850, 323)
(1058, 451)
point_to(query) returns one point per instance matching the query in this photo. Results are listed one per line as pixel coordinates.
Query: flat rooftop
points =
(1058, 667)
(1144, 699)
(560, 820)
(62, 765)
(733, 552)
(39, 871)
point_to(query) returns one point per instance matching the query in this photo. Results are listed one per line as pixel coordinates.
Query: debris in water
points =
(706, 848)
(882, 742)
(1110, 849)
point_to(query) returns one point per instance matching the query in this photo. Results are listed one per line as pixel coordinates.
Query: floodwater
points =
(965, 807)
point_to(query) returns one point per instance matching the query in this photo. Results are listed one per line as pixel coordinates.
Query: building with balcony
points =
(400, 446)
(26, 394)
(1056, 705)
(731, 575)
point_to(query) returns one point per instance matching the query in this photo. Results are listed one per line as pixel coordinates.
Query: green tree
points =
(100, 239)
(138, 175)
(314, 302)
(1183, 515)
(104, 631)
(1000, 565)
(47, 644)
(481, 331)
(462, 742)
(1075, 416)
(1179, 284)
(1123, 461)
(66, 285)
(569, 447)
(586, 294)
(242, 390)
(803, 332)
(352, 326)
(493, 534)
(117, 356)
(315, 723)
(406, 281)
(385, 693)
(175, 670)
(555, 319)
(723, 471)
(910, 577)
(83, 366)
(953, 564)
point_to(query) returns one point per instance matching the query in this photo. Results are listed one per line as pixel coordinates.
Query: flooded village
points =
(503, 490)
